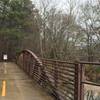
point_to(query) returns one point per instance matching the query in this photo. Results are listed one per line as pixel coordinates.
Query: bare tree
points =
(89, 21)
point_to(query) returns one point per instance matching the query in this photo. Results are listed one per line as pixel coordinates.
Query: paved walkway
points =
(16, 85)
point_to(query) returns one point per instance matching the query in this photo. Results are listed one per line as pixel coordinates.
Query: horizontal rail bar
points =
(90, 63)
(91, 83)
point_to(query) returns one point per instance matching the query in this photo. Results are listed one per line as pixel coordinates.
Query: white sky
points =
(60, 2)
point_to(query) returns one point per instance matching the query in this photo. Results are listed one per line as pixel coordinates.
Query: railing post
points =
(23, 61)
(82, 80)
(77, 82)
(43, 77)
(79, 78)
(56, 79)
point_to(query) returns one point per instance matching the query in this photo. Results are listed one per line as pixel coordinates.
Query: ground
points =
(16, 85)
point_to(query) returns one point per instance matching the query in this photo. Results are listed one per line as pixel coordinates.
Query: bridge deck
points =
(16, 85)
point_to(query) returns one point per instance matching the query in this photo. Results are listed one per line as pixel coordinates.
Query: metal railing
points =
(64, 80)
(60, 76)
(57, 77)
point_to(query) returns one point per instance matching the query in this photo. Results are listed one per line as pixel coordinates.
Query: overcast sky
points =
(60, 2)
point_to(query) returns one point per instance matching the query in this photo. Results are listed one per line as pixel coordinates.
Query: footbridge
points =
(34, 78)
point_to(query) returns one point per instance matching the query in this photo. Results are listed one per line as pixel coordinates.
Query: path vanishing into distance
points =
(16, 85)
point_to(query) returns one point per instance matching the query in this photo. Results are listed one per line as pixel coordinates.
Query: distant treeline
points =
(50, 31)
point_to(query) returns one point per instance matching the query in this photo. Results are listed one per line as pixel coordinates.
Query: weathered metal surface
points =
(57, 77)
(64, 80)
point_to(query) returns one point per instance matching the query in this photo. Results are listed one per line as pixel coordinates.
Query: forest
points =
(68, 33)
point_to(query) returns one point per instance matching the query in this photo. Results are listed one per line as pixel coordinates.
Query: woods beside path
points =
(68, 33)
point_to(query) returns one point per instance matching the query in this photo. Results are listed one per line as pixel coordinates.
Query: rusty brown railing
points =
(61, 77)
(30, 63)
(56, 76)
(64, 80)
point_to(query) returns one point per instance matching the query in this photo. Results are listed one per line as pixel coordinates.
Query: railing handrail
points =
(48, 75)
(79, 62)
(79, 68)
(90, 63)
(91, 83)
(33, 55)
(58, 61)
